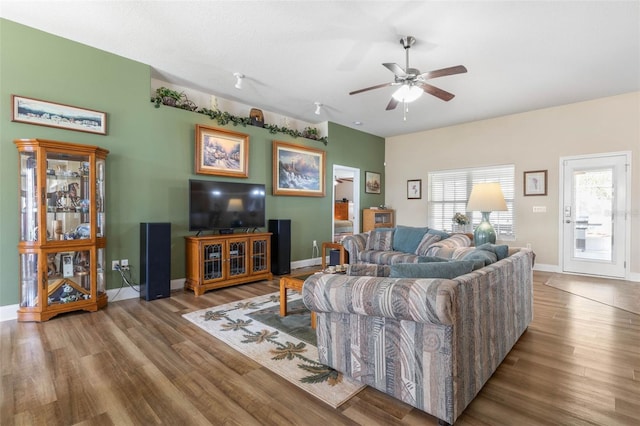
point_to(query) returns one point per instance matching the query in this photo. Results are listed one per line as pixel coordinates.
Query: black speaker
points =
(280, 246)
(155, 260)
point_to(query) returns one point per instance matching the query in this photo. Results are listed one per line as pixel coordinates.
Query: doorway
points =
(594, 203)
(346, 202)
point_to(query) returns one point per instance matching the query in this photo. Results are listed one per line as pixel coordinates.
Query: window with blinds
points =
(449, 191)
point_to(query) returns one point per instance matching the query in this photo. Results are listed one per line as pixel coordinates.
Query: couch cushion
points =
(381, 239)
(443, 235)
(368, 269)
(407, 238)
(387, 257)
(447, 270)
(426, 242)
(501, 251)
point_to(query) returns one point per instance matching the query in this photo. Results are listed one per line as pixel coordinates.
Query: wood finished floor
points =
(141, 363)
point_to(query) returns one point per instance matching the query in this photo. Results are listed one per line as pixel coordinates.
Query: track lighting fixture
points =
(318, 106)
(239, 78)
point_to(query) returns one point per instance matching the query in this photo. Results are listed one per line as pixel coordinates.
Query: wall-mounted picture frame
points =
(52, 114)
(372, 183)
(535, 182)
(221, 152)
(414, 189)
(298, 170)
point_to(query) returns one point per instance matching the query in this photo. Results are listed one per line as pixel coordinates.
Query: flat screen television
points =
(225, 206)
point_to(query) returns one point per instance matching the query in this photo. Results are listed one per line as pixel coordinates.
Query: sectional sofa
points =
(430, 342)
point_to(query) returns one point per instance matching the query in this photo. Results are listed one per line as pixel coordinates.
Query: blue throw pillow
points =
(407, 238)
(443, 235)
(488, 257)
(501, 251)
(427, 259)
(446, 270)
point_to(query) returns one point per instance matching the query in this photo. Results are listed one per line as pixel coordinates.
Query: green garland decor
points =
(176, 99)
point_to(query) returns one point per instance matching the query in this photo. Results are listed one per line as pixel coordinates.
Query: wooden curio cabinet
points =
(216, 261)
(62, 228)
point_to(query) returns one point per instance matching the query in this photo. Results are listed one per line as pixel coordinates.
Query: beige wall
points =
(533, 140)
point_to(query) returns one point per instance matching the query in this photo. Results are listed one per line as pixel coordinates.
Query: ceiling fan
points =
(412, 82)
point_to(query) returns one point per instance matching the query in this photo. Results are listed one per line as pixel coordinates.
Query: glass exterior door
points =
(594, 216)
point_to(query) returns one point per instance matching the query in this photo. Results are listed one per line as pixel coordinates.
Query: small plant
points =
(460, 219)
(165, 96)
(311, 133)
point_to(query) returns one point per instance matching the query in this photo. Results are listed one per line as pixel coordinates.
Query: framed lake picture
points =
(221, 152)
(298, 170)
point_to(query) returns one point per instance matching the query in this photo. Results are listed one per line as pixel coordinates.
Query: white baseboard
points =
(546, 268)
(9, 312)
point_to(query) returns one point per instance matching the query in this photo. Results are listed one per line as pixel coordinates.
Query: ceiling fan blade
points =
(396, 69)
(355, 92)
(438, 93)
(393, 103)
(458, 69)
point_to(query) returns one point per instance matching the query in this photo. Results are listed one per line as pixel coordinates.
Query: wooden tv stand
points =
(215, 261)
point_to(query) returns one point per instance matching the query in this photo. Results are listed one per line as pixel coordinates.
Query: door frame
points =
(627, 207)
(356, 197)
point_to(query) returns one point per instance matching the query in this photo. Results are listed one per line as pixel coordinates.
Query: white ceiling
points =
(520, 55)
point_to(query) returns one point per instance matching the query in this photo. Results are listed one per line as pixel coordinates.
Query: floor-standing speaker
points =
(155, 260)
(280, 246)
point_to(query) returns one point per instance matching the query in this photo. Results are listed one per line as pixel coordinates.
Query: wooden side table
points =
(332, 246)
(293, 283)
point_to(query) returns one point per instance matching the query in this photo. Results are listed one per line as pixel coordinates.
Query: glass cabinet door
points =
(259, 258)
(28, 280)
(68, 276)
(28, 196)
(212, 261)
(237, 257)
(68, 197)
(100, 197)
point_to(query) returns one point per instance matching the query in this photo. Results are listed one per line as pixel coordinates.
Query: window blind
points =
(449, 191)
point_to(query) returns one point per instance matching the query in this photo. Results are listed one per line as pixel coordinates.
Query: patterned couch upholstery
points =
(380, 247)
(432, 343)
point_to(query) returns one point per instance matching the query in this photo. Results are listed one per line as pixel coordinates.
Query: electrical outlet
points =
(315, 243)
(124, 262)
(115, 264)
(529, 246)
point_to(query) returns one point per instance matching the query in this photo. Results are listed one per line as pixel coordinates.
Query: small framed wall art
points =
(535, 182)
(221, 152)
(414, 189)
(51, 114)
(298, 170)
(372, 183)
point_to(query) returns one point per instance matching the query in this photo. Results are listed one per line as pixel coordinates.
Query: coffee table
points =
(293, 282)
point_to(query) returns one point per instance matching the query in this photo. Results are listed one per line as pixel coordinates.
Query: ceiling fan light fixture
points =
(407, 93)
(239, 78)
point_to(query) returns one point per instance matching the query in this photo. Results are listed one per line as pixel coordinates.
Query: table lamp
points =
(486, 198)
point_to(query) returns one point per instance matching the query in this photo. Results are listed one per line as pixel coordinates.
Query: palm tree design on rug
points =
(287, 351)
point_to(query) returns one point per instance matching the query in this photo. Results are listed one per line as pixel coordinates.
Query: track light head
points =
(239, 78)
(318, 107)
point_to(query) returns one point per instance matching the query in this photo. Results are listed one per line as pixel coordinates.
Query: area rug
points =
(284, 345)
(620, 294)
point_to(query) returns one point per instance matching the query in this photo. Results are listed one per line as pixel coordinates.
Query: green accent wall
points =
(151, 151)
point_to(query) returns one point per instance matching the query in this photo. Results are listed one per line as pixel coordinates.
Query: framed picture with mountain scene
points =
(298, 170)
(372, 183)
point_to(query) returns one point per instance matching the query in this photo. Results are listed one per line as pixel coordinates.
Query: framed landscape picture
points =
(372, 183)
(51, 114)
(221, 152)
(298, 170)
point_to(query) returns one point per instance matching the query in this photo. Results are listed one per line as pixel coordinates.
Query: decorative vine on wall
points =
(173, 98)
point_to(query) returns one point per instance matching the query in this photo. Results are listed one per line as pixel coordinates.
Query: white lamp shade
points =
(407, 93)
(487, 197)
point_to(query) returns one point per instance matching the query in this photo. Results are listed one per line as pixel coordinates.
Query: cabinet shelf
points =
(217, 261)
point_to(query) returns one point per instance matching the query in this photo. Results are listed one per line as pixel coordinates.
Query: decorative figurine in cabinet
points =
(62, 228)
